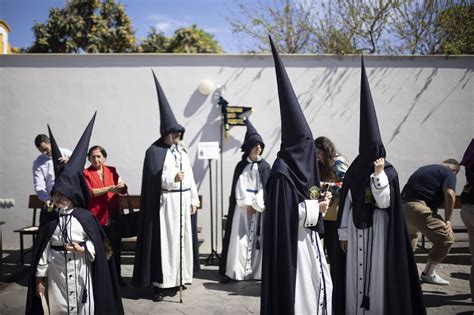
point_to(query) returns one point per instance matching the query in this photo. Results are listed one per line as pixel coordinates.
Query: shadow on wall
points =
(194, 104)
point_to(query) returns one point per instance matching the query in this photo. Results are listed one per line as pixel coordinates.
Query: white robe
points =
(170, 219)
(68, 273)
(313, 279)
(357, 250)
(244, 260)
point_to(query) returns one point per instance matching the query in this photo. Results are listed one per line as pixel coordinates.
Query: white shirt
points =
(43, 174)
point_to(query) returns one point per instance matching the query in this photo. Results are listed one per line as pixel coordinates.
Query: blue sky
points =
(166, 15)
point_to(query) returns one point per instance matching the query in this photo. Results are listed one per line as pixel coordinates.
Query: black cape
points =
(280, 241)
(147, 267)
(403, 293)
(107, 298)
(264, 171)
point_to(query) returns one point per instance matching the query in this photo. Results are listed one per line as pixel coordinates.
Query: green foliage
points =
(354, 26)
(185, 40)
(456, 29)
(193, 40)
(155, 42)
(84, 26)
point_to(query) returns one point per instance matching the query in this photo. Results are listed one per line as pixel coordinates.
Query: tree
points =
(84, 26)
(354, 26)
(330, 35)
(456, 29)
(290, 25)
(366, 22)
(193, 40)
(155, 42)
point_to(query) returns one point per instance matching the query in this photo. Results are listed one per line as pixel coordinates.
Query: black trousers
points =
(330, 237)
(113, 234)
(196, 262)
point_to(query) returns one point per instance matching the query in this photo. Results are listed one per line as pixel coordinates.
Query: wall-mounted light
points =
(206, 87)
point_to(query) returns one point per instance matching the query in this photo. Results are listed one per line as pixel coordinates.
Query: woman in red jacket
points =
(105, 186)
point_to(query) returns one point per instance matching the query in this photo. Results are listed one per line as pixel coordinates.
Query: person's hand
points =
(113, 189)
(63, 159)
(379, 165)
(193, 209)
(328, 197)
(48, 203)
(251, 210)
(74, 247)
(120, 185)
(343, 246)
(323, 206)
(179, 176)
(117, 189)
(40, 286)
(448, 228)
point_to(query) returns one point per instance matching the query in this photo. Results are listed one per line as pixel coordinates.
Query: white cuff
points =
(312, 213)
(342, 232)
(379, 182)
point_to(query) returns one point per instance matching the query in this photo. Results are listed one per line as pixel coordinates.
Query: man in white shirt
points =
(43, 170)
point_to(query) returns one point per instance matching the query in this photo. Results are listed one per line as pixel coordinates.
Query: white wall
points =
(424, 107)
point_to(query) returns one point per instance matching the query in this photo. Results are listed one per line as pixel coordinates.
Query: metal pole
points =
(212, 214)
(180, 230)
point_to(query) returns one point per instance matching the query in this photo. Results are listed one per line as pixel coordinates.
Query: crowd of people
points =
(324, 236)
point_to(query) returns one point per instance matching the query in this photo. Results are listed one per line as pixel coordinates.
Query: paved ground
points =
(207, 296)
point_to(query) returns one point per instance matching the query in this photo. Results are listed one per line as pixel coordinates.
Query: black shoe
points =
(225, 280)
(157, 294)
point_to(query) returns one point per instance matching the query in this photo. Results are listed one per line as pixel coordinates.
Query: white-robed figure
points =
(295, 273)
(68, 273)
(242, 246)
(366, 248)
(374, 268)
(70, 269)
(168, 198)
(177, 185)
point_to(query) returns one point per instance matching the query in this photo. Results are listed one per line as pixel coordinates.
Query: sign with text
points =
(208, 150)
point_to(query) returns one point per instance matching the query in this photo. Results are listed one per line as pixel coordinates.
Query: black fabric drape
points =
(147, 267)
(107, 298)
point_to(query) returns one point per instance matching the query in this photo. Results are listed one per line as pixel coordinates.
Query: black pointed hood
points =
(297, 146)
(468, 157)
(370, 141)
(55, 154)
(252, 137)
(71, 182)
(370, 148)
(168, 123)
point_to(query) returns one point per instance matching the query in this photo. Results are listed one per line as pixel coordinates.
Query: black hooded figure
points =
(157, 260)
(70, 254)
(244, 218)
(376, 272)
(295, 274)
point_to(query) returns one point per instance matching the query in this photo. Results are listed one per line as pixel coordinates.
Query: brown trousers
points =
(420, 218)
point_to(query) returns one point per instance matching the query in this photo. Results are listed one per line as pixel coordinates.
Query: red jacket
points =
(102, 206)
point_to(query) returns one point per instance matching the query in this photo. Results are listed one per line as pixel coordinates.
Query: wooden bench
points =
(456, 228)
(35, 204)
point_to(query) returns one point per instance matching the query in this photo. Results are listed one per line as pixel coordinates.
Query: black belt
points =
(174, 190)
(60, 248)
(252, 191)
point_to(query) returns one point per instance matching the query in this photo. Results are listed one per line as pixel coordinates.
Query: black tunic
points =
(107, 298)
(147, 267)
(280, 241)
